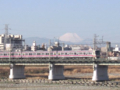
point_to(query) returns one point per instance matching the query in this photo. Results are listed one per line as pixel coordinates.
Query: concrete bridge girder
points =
(56, 72)
(16, 71)
(100, 73)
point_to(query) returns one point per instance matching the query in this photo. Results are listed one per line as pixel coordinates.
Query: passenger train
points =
(52, 54)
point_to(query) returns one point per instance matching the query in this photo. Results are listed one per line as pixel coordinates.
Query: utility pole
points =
(10, 51)
(62, 46)
(49, 43)
(49, 49)
(95, 42)
(6, 34)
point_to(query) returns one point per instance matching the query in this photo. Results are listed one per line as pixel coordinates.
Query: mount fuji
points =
(70, 37)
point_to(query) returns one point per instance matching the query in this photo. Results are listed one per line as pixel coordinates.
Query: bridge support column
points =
(16, 72)
(56, 72)
(100, 73)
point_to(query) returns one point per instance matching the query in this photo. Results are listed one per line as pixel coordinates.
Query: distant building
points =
(76, 48)
(66, 47)
(79, 47)
(117, 48)
(10, 42)
(103, 49)
(34, 47)
(55, 47)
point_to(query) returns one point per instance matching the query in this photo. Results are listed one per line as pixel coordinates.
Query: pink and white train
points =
(53, 54)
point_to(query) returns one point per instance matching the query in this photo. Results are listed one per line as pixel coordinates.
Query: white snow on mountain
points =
(71, 37)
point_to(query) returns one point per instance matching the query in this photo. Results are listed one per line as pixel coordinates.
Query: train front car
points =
(82, 54)
(96, 54)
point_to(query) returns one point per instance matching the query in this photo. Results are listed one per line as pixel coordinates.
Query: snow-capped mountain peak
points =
(71, 37)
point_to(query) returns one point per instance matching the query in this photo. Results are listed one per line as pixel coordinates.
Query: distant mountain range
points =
(68, 38)
(40, 41)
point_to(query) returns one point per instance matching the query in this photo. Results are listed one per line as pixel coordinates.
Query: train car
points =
(76, 54)
(52, 54)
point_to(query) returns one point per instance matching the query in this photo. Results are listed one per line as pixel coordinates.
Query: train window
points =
(5, 54)
(16, 54)
(74, 53)
(12, 54)
(34, 54)
(26, 53)
(51, 53)
(30, 53)
(42, 53)
(38, 53)
(47, 53)
(90, 53)
(65, 53)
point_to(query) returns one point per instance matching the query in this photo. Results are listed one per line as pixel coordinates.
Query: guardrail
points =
(59, 61)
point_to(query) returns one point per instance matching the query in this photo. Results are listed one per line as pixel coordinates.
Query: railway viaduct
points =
(56, 67)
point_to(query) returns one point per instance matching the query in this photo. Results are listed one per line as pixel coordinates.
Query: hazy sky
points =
(53, 18)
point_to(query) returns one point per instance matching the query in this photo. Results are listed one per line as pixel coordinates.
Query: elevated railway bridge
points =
(56, 66)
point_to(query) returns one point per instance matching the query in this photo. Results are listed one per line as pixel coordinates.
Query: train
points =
(84, 54)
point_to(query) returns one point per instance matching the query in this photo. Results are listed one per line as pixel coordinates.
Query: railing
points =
(58, 60)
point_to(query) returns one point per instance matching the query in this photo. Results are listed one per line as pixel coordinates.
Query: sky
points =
(53, 18)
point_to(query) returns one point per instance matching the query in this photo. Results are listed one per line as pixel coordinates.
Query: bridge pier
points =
(100, 73)
(16, 72)
(56, 72)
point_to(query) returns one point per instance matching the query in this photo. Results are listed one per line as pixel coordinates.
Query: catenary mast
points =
(6, 34)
